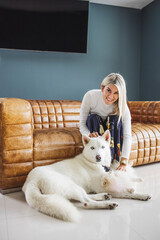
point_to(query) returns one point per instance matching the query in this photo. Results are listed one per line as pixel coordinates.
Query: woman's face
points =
(110, 94)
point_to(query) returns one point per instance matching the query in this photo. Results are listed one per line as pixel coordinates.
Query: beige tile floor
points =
(132, 220)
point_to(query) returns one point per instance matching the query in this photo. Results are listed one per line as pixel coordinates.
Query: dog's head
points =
(97, 149)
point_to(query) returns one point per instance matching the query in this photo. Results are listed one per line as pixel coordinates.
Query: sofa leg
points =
(10, 190)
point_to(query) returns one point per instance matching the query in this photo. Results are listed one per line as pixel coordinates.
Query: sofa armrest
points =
(16, 141)
(145, 111)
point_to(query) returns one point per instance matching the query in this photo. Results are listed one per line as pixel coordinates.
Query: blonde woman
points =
(106, 108)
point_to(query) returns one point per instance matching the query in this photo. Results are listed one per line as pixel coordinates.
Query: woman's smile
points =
(110, 94)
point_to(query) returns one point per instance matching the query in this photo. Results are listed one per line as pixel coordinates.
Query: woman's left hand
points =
(123, 164)
(122, 167)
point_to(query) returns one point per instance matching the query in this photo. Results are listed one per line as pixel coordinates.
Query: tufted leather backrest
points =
(55, 114)
(145, 111)
(65, 113)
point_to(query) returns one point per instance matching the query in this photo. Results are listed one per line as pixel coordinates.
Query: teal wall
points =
(114, 43)
(150, 66)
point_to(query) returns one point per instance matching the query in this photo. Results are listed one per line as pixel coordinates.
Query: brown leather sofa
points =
(41, 132)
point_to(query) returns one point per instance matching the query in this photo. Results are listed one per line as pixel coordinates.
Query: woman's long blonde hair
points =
(117, 80)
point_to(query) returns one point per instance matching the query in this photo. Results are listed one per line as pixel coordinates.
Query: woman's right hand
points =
(94, 134)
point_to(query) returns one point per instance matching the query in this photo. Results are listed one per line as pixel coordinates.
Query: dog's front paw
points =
(113, 205)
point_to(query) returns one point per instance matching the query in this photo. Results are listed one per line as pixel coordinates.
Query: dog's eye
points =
(103, 146)
(92, 148)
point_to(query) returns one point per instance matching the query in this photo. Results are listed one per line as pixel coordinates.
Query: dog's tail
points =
(51, 204)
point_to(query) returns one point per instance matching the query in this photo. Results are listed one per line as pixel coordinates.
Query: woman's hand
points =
(122, 167)
(123, 164)
(94, 134)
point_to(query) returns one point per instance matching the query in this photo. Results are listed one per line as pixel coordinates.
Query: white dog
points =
(122, 184)
(48, 189)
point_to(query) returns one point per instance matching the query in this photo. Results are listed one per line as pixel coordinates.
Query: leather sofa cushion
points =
(55, 114)
(145, 143)
(51, 145)
(145, 111)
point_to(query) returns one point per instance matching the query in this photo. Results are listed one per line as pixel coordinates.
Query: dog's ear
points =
(107, 136)
(85, 139)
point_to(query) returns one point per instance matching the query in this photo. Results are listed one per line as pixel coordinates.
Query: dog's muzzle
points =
(107, 169)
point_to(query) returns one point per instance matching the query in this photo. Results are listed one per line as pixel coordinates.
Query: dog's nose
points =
(107, 169)
(98, 158)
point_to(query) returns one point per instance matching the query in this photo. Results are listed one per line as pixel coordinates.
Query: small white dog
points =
(122, 184)
(49, 189)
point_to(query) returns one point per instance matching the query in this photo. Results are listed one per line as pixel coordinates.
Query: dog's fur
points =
(48, 189)
(122, 184)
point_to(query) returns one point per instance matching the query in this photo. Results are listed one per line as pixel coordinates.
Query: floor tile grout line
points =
(6, 216)
(134, 229)
(2, 200)
(19, 217)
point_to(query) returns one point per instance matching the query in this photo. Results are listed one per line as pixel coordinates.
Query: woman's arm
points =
(127, 138)
(84, 113)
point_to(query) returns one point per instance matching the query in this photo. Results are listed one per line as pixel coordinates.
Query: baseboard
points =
(10, 190)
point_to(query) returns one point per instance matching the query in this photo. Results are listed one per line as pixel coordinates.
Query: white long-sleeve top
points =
(93, 103)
